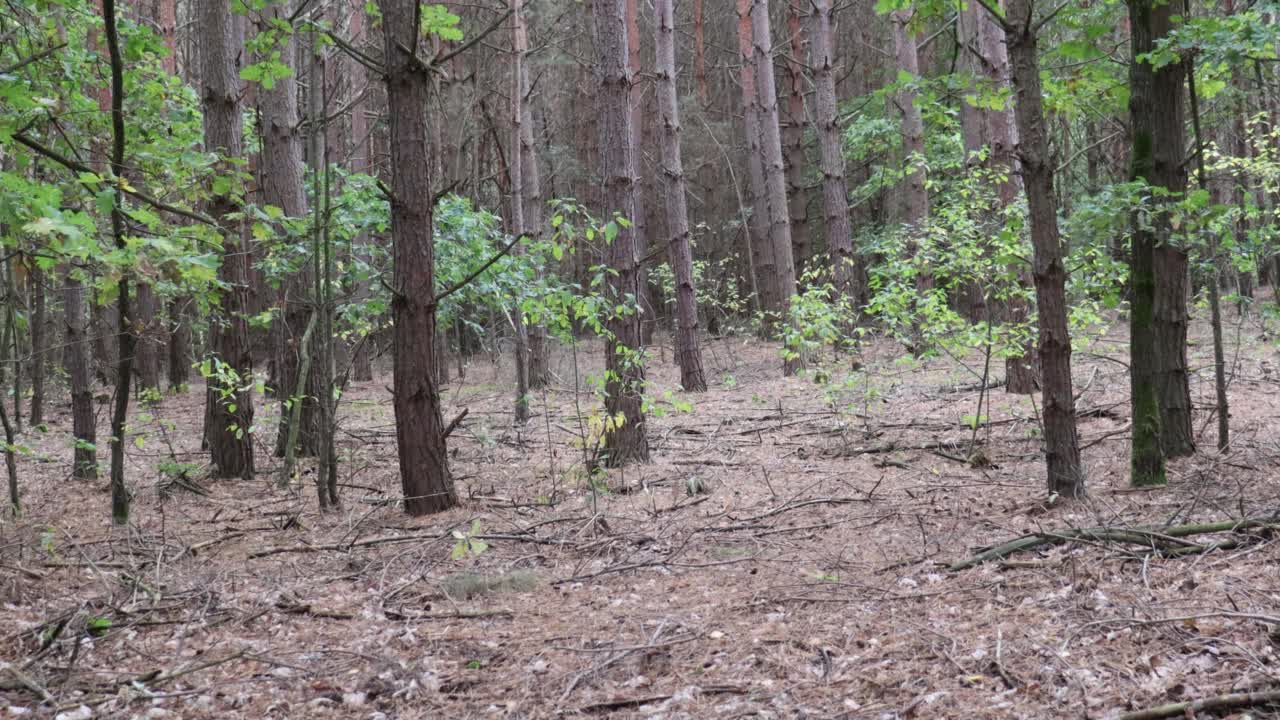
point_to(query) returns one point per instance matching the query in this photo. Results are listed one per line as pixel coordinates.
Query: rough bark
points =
(774, 169)
(229, 420)
(1061, 440)
(76, 355)
(846, 267)
(179, 343)
(282, 186)
(700, 52)
(1148, 21)
(762, 259)
(519, 47)
(530, 191)
(688, 354)
(147, 357)
(39, 318)
(793, 140)
(915, 196)
(420, 431)
(623, 358)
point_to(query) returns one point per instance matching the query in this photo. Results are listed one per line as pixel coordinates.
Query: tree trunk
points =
(640, 203)
(282, 187)
(775, 170)
(84, 425)
(846, 267)
(1062, 445)
(762, 259)
(179, 343)
(38, 321)
(519, 47)
(147, 358)
(793, 139)
(420, 431)
(688, 354)
(623, 359)
(230, 418)
(700, 52)
(530, 190)
(361, 140)
(915, 196)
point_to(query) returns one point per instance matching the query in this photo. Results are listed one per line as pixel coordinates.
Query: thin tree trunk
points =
(623, 359)
(179, 343)
(530, 191)
(762, 256)
(915, 196)
(420, 431)
(83, 424)
(519, 46)
(38, 321)
(775, 170)
(793, 139)
(700, 52)
(127, 337)
(688, 354)
(228, 419)
(846, 266)
(147, 358)
(1062, 445)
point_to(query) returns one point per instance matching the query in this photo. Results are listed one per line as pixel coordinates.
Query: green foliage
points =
(468, 542)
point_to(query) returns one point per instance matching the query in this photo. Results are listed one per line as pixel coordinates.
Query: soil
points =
(786, 554)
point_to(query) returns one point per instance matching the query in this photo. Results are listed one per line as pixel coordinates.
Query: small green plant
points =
(468, 542)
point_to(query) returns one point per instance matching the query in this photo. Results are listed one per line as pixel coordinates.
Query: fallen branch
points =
(455, 615)
(1154, 536)
(621, 703)
(1234, 701)
(348, 545)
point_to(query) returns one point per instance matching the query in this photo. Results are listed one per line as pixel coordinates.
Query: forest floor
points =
(808, 578)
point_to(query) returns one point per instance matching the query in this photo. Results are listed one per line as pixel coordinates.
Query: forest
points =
(640, 358)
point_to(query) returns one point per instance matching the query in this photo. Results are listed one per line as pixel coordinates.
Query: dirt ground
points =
(783, 556)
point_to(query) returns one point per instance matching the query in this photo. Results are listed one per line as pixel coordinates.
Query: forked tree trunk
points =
(774, 170)
(688, 354)
(762, 258)
(1062, 444)
(915, 196)
(229, 420)
(420, 438)
(76, 355)
(846, 268)
(623, 359)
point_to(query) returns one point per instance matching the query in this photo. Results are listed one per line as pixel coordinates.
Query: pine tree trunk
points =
(688, 354)
(915, 196)
(793, 139)
(519, 46)
(700, 52)
(147, 358)
(84, 425)
(762, 258)
(774, 170)
(530, 193)
(282, 187)
(623, 361)
(846, 266)
(420, 438)
(39, 320)
(1062, 444)
(179, 343)
(229, 420)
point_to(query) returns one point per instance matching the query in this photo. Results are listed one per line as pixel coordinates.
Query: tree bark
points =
(774, 169)
(147, 357)
(688, 354)
(762, 256)
(530, 189)
(420, 431)
(39, 319)
(1062, 444)
(700, 52)
(623, 358)
(915, 196)
(179, 343)
(846, 266)
(793, 139)
(83, 423)
(229, 420)
(519, 47)
(282, 187)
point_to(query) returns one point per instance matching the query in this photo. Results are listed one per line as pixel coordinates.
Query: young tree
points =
(530, 186)
(624, 360)
(519, 47)
(229, 418)
(420, 430)
(1062, 445)
(846, 268)
(679, 255)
